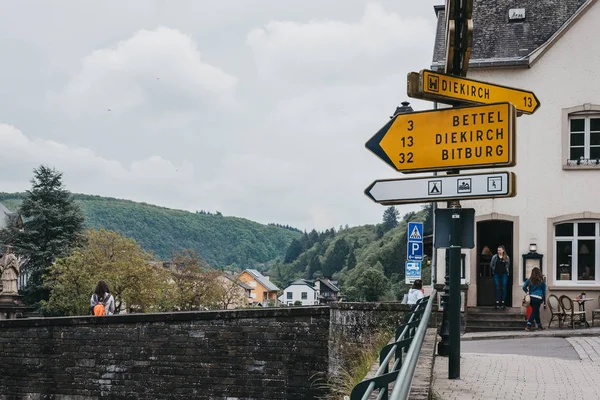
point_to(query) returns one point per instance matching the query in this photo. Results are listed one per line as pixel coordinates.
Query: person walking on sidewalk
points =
(500, 265)
(537, 291)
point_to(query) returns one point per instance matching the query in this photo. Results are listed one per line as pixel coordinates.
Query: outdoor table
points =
(581, 303)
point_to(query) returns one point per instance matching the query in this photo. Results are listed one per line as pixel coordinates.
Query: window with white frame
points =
(289, 295)
(304, 295)
(576, 245)
(584, 138)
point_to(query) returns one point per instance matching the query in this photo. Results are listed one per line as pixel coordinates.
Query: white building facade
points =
(299, 290)
(557, 206)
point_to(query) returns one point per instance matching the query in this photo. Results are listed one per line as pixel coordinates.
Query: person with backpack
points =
(102, 302)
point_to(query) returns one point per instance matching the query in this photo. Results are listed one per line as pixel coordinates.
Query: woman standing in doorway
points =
(536, 287)
(500, 265)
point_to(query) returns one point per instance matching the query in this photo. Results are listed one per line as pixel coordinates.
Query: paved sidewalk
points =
(564, 333)
(561, 375)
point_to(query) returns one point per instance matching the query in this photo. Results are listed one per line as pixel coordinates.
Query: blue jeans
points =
(535, 313)
(500, 280)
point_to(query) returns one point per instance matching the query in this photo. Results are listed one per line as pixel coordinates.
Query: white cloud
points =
(338, 52)
(153, 180)
(155, 70)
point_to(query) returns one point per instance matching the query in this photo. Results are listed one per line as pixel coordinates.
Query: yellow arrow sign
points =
(448, 139)
(429, 85)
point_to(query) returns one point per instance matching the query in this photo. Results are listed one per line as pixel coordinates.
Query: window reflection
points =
(563, 258)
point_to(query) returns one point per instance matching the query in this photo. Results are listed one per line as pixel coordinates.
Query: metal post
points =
(454, 251)
(455, 299)
(434, 250)
(444, 345)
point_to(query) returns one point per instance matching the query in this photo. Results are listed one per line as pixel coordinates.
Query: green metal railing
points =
(409, 339)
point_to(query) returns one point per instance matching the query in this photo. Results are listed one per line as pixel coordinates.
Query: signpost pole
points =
(455, 298)
(454, 250)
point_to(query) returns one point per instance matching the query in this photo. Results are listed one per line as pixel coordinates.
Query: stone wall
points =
(249, 354)
(358, 326)
(271, 353)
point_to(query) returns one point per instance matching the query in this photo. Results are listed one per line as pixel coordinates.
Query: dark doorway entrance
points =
(492, 234)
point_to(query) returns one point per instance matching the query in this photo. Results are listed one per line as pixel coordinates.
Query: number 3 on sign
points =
(410, 125)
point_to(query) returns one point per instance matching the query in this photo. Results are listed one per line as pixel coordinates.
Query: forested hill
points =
(222, 241)
(367, 261)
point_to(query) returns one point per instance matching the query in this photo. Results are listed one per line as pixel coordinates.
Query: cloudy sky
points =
(255, 108)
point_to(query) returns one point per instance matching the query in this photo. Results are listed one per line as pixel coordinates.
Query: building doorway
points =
(491, 234)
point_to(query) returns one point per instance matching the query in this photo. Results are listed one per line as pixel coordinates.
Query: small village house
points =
(301, 290)
(263, 289)
(327, 291)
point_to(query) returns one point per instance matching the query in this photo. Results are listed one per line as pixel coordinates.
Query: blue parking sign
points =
(415, 251)
(415, 231)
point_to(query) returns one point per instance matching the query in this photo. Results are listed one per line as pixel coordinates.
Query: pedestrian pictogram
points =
(495, 184)
(415, 234)
(415, 231)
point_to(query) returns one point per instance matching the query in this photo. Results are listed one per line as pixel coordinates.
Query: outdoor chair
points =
(596, 312)
(556, 310)
(568, 306)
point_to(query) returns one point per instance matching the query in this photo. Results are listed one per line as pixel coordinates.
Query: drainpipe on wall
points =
(433, 250)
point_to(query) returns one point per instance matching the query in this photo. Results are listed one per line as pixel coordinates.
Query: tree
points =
(351, 260)
(314, 265)
(293, 251)
(229, 293)
(335, 260)
(194, 284)
(365, 282)
(390, 218)
(106, 255)
(372, 283)
(53, 226)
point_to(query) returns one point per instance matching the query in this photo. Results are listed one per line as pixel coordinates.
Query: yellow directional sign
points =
(429, 85)
(448, 139)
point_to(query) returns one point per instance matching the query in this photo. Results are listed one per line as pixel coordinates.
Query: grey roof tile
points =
(262, 279)
(330, 284)
(500, 42)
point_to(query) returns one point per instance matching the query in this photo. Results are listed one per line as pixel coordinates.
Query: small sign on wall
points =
(516, 14)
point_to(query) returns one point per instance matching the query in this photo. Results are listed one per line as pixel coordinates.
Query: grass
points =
(357, 363)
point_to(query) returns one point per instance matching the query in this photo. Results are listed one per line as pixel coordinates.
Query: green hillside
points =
(367, 261)
(222, 241)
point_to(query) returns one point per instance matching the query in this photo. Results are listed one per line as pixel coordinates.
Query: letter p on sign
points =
(415, 251)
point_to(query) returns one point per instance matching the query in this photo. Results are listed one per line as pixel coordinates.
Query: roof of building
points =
(498, 41)
(329, 284)
(302, 282)
(262, 279)
(237, 281)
